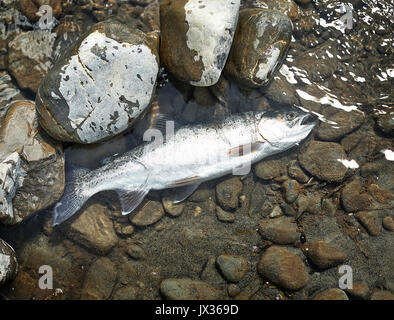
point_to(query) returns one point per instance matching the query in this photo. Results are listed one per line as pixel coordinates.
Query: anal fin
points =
(184, 192)
(130, 200)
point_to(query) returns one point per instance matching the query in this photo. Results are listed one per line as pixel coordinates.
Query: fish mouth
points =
(309, 119)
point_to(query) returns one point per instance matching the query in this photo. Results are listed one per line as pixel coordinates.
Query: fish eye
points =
(290, 116)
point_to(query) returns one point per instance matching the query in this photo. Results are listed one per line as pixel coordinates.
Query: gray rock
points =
(228, 192)
(233, 268)
(196, 37)
(32, 165)
(136, 252)
(8, 263)
(149, 214)
(281, 230)
(93, 229)
(260, 44)
(283, 268)
(385, 123)
(29, 58)
(97, 90)
(100, 280)
(292, 190)
(187, 289)
(321, 159)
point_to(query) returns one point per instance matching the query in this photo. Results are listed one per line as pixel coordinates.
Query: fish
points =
(184, 156)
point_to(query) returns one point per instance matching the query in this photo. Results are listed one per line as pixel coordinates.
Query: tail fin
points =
(73, 198)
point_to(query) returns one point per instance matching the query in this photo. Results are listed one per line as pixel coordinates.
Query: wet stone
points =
(287, 209)
(32, 165)
(173, 209)
(29, 58)
(100, 280)
(345, 122)
(385, 123)
(286, 7)
(124, 293)
(320, 159)
(8, 263)
(281, 230)
(382, 295)
(96, 90)
(360, 290)
(224, 216)
(149, 214)
(276, 212)
(354, 197)
(267, 170)
(370, 222)
(228, 192)
(292, 190)
(93, 229)
(187, 289)
(295, 171)
(196, 37)
(388, 223)
(331, 294)
(233, 268)
(135, 252)
(323, 255)
(260, 45)
(283, 268)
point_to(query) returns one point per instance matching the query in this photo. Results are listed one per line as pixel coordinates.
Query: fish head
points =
(283, 129)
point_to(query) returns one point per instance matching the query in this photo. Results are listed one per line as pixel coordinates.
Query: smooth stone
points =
(291, 189)
(196, 37)
(268, 169)
(149, 214)
(8, 263)
(93, 229)
(286, 7)
(354, 197)
(360, 290)
(370, 222)
(295, 171)
(385, 123)
(228, 192)
(187, 289)
(31, 165)
(323, 255)
(135, 252)
(233, 268)
(382, 295)
(124, 293)
(100, 280)
(29, 57)
(224, 216)
(388, 223)
(173, 209)
(280, 230)
(331, 294)
(283, 268)
(260, 43)
(97, 90)
(320, 159)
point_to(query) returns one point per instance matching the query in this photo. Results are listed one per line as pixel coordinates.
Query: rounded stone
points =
(292, 190)
(322, 160)
(388, 223)
(224, 216)
(125, 293)
(354, 197)
(8, 263)
(280, 230)
(228, 192)
(259, 47)
(100, 86)
(382, 295)
(173, 209)
(331, 294)
(268, 169)
(196, 37)
(370, 222)
(283, 268)
(187, 289)
(294, 170)
(385, 123)
(149, 214)
(360, 290)
(323, 255)
(233, 268)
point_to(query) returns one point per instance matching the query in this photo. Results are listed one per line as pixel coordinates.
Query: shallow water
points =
(344, 76)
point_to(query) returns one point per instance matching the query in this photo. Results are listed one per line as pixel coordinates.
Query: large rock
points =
(325, 256)
(187, 289)
(29, 57)
(93, 229)
(31, 168)
(8, 263)
(100, 87)
(283, 268)
(196, 37)
(323, 160)
(260, 45)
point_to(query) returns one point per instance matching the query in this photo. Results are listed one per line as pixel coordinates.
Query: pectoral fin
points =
(183, 193)
(130, 200)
